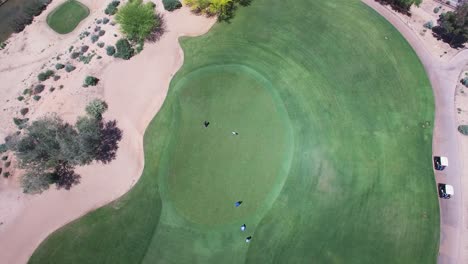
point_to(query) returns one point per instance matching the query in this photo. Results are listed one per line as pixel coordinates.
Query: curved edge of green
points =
(53, 12)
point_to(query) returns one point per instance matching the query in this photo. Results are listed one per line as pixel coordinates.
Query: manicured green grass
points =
(67, 16)
(332, 161)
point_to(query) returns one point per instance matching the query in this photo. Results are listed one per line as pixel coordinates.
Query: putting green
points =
(332, 160)
(64, 18)
(210, 168)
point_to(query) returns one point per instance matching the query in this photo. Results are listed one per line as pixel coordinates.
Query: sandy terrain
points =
(134, 90)
(444, 74)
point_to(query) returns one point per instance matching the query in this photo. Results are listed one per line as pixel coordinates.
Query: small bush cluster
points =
(105, 20)
(101, 44)
(111, 8)
(59, 66)
(90, 81)
(94, 38)
(20, 122)
(84, 48)
(36, 97)
(96, 29)
(74, 55)
(39, 88)
(45, 75)
(124, 49)
(110, 50)
(69, 68)
(171, 5)
(102, 32)
(24, 111)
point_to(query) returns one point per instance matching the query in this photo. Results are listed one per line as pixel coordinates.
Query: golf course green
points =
(64, 18)
(331, 160)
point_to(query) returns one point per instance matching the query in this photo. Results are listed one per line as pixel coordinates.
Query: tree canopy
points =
(138, 20)
(50, 148)
(453, 26)
(401, 5)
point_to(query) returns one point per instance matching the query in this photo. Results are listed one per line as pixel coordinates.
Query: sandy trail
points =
(446, 140)
(134, 90)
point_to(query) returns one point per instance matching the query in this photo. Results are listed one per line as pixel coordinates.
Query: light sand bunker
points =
(134, 90)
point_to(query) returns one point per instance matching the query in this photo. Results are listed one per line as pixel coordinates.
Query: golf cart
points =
(440, 162)
(445, 191)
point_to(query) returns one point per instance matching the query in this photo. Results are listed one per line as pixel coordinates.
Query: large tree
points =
(49, 149)
(453, 26)
(402, 5)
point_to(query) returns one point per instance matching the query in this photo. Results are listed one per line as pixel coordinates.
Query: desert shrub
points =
(101, 44)
(102, 32)
(105, 20)
(56, 77)
(96, 29)
(90, 81)
(4, 158)
(61, 87)
(3, 148)
(96, 108)
(84, 48)
(6, 174)
(436, 9)
(24, 111)
(74, 55)
(429, 25)
(99, 21)
(171, 5)
(111, 8)
(51, 89)
(463, 129)
(94, 38)
(7, 164)
(99, 57)
(70, 49)
(124, 49)
(34, 182)
(39, 88)
(69, 68)
(110, 50)
(138, 20)
(27, 91)
(464, 81)
(37, 97)
(59, 66)
(20, 98)
(45, 75)
(20, 122)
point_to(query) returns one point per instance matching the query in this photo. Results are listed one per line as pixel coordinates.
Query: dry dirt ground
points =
(134, 90)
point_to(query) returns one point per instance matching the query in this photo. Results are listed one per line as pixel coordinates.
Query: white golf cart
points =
(445, 191)
(440, 162)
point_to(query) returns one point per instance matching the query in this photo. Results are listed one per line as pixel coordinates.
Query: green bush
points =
(74, 55)
(51, 89)
(101, 44)
(171, 5)
(4, 158)
(96, 108)
(27, 91)
(39, 88)
(105, 20)
(7, 164)
(111, 8)
(99, 21)
(463, 129)
(37, 97)
(124, 49)
(20, 98)
(3, 148)
(138, 20)
(84, 48)
(110, 50)
(56, 77)
(429, 25)
(94, 38)
(90, 81)
(437, 9)
(20, 122)
(6, 174)
(69, 68)
(24, 111)
(102, 32)
(59, 66)
(45, 75)
(464, 81)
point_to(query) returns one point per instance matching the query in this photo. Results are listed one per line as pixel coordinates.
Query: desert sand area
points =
(134, 90)
(444, 73)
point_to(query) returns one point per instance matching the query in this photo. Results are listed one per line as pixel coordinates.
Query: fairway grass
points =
(64, 18)
(332, 161)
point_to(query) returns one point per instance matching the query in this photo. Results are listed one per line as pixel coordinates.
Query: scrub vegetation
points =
(328, 156)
